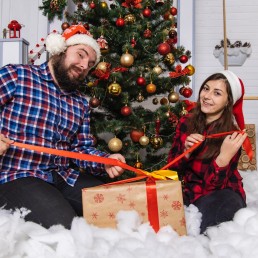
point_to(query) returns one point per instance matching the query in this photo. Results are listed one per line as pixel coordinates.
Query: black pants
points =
(50, 204)
(218, 207)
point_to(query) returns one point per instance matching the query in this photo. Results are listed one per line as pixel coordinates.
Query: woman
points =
(211, 179)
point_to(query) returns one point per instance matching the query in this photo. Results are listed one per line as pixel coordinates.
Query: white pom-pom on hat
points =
(55, 43)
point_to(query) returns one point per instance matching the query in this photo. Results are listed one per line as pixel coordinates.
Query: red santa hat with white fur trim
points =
(73, 35)
(238, 91)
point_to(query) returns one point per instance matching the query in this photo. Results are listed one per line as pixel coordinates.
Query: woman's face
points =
(213, 99)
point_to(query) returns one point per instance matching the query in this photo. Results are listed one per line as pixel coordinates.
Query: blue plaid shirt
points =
(34, 110)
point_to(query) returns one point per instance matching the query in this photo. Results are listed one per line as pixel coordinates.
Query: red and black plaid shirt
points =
(202, 176)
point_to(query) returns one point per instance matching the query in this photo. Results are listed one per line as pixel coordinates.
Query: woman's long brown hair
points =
(197, 122)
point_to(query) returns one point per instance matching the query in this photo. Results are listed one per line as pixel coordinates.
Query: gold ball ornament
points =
(90, 84)
(127, 60)
(164, 101)
(170, 59)
(151, 88)
(173, 97)
(129, 19)
(140, 97)
(103, 5)
(115, 144)
(138, 165)
(144, 140)
(156, 142)
(114, 89)
(102, 66)
(157, 69)
(191, 69)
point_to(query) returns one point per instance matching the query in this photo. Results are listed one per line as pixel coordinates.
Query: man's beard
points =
(61, 73)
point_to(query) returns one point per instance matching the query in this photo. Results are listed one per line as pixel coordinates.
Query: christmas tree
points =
(137, 92)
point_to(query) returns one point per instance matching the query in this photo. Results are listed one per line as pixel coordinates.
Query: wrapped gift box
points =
(160, 203)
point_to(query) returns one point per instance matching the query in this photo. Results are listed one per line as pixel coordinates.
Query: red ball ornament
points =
(147, 33)
(173, 10)
(187, 92)
(146, 12)
(126, 111)
(164, 48)
(141, 81)
(92, 5)
(94, 102)
(120, 22)
(183, 59)
(136, 135)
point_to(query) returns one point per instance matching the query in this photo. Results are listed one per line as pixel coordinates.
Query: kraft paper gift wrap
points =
(102, 203)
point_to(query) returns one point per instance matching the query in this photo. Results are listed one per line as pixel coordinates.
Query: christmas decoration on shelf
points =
(14, 29)
(134, 89)
(237, 52)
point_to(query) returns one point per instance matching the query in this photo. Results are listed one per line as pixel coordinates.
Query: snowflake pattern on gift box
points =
(132, 205)
(99, 198)
(129, 189)
(121, 198)
(176, 205)
(94, 215)
(163, 214)
(182, 221)
(165, 197)
(111, 215)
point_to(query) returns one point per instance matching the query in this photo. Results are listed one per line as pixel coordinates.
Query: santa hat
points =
(73, 35)
(238, 91)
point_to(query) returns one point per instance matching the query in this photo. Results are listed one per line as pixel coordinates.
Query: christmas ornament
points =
(129, 19)
(115, 144)
(140, 98)
(159, 2)
(169, 59)
(133, 42)
(157, 69)
(183, 59)
(172, 33)
(138, 164)
(90, 84)
(65, 25)
(163, 48)
(173, 97)
(147, 34)
(146, 12)
(126, 59)
(114, 89)
(178, 72)
(103, 5)
(92, 5)
(191, 69)
(173, 10)
(155, 101)
(166, 14)
(144, 140)
(156, 142)
(141, 81)
(126, 111)
(164, 101)
(132, 4)
(181, 90)
(103, 44)
(136, 135)
(187, 92)
(102, 66)
(183, 111)
(94, 102)
(86, 26)
(173, 119)
(120, 22)
(151, 88)
(171, 18)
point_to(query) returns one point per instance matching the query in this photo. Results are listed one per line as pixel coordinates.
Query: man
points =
(42, 105)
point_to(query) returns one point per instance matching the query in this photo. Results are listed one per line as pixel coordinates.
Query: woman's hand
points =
(191, 140)
(4, 144)
(115, 171)
(229, 148)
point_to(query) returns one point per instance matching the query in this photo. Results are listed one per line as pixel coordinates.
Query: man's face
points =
(72, 67)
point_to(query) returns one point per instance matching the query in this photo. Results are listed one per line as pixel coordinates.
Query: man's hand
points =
(115, 171)
(4, 144)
